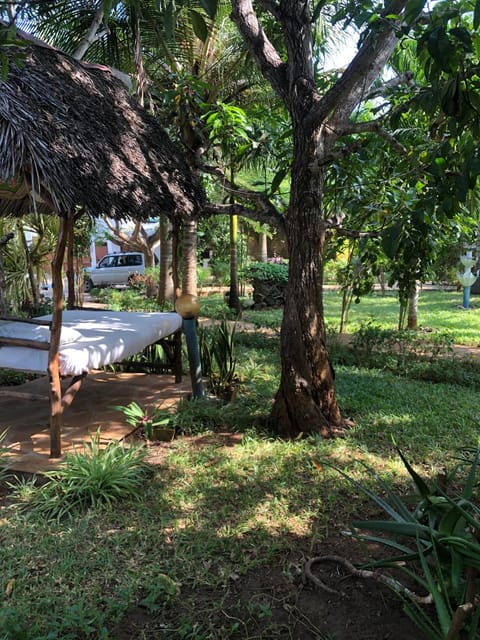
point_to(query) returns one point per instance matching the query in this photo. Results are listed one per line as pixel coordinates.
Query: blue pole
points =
(195, 365)
(466, 297)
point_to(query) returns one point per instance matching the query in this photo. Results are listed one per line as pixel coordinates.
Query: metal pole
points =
(194, 362)
(466, 297)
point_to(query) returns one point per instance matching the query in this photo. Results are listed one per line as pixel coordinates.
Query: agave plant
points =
(217, 351)
(441, 534)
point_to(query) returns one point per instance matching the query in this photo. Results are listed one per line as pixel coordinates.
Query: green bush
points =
(267, 272)
(221, 272)
(92, 477)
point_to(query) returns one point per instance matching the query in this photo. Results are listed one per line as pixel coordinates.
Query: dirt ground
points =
(278, 601)
(272, 604)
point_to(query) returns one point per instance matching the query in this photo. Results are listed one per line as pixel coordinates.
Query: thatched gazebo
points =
(72, 139)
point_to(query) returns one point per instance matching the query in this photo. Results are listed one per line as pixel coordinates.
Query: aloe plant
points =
(442, 535)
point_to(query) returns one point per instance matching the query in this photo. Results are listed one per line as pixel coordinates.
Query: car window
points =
(107, 261)
(134, 261)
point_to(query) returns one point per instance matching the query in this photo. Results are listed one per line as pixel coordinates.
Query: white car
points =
(114, 269)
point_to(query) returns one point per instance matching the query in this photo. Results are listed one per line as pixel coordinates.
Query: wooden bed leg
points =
(72, 390)
(55, 409)
(53, 357)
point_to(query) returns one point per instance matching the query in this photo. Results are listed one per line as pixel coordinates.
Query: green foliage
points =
(95, 476)
(221, 271)
(439, 529)
(217, 353)
(418, 355)
(130, 299)
(204, 276)
(146, 419)
(267, 272)
(11, 377)
(401, 345)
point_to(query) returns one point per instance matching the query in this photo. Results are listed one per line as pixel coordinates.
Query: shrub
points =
(91, 478)
(267, 272)
(221, 271)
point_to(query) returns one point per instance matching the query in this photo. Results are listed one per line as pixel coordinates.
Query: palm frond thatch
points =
(70, 136)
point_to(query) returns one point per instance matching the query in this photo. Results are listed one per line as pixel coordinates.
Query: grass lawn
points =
(215, 546)
(439, 310)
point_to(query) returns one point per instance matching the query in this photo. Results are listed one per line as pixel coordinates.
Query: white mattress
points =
(104, 337)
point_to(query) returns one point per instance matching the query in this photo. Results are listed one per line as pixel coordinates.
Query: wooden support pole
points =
(70, 264)
(53, 356)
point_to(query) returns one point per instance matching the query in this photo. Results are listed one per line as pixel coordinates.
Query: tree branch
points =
(403, 78)
(263, 215)
(339, 102)
(92, 34)
(265, 54)
(265, 211)
(373, 126)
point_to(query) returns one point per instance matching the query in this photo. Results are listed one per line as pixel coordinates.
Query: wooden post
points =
(3, 296)
(70, 265)
(53, 357)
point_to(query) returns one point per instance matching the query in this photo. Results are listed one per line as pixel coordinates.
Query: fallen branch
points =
(397, 586)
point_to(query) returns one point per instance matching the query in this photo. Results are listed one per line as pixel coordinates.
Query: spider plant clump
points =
(92, 477)
(434, 537)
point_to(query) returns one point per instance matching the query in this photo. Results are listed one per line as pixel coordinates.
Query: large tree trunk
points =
(305, 401)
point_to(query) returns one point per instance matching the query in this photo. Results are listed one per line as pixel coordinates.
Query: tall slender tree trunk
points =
(233, 299)
(189, 261)
(412, 319)
(166, 288)
(70, 263)
(53, 355)
(263, 247)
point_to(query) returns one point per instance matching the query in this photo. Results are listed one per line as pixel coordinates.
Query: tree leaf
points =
(440, 48)
(391, 240)
(199, 25)
(210, 7)
(412, 9)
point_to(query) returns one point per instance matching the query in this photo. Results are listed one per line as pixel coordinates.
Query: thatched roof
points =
(70, 131)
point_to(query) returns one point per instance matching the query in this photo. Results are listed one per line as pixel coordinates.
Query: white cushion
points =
(36, 332)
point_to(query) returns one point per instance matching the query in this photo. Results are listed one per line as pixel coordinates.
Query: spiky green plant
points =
(441, 534)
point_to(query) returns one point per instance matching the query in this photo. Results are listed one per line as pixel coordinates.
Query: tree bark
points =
(166, 290)
(70, 263)
(306, 400)
(233, 299)
(189, 262)
(412, 319)
(53, 355)
(263, 247)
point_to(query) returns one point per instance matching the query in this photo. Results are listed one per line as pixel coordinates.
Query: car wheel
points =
(87, 285)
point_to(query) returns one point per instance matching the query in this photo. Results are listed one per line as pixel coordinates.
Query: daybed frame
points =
(104, 338)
